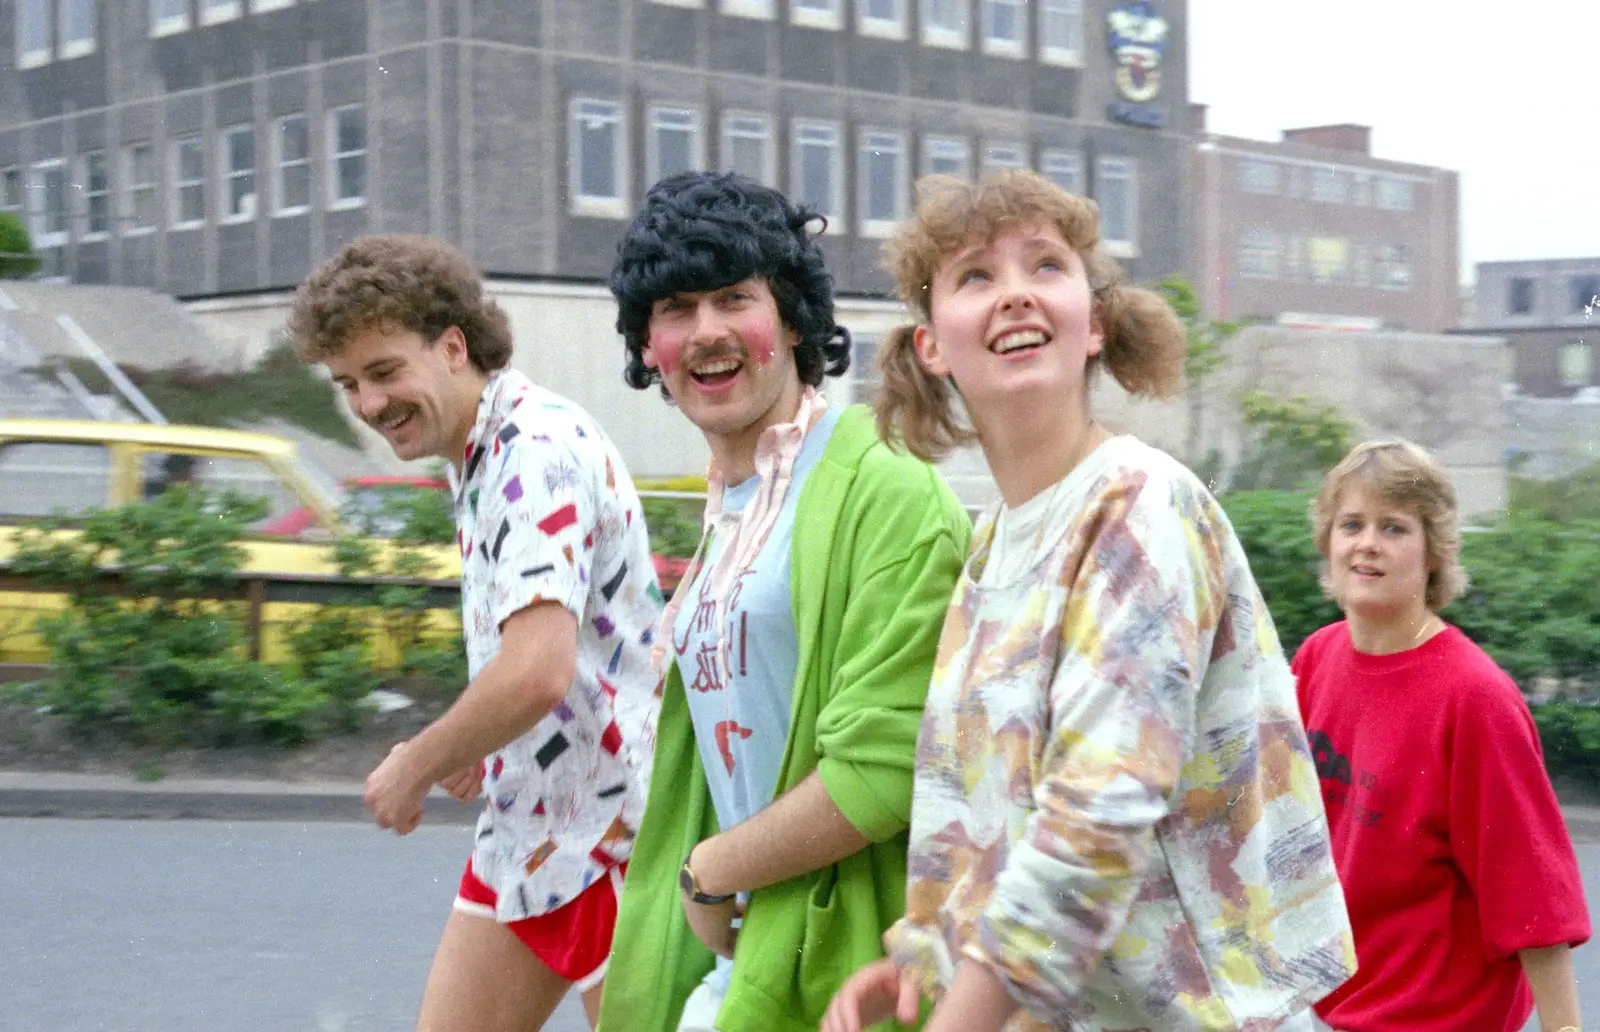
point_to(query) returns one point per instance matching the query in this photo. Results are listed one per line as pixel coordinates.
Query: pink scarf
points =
(776, 451)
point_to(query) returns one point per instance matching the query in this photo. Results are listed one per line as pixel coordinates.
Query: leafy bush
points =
(1559, 500)
(1532, 601)
(153, 664)
(674, 526)
(1290, 443)
(17, 260)
(1276, 534)
(150, 662)
(1571, 738)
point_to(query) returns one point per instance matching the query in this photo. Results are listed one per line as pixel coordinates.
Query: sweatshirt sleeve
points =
(1506, 828)
(909, 558)
(1140, 615)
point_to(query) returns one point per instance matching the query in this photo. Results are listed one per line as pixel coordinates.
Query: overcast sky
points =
(1506, 97)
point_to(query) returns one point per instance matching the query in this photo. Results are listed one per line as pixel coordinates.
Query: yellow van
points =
(68, 467)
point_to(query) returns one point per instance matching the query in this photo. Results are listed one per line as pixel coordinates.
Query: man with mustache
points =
(795, 656)
(559, 602)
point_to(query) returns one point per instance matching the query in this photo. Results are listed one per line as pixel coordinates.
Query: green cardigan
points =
(879, 539)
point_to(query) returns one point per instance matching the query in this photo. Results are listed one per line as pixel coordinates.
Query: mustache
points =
(392, 412)
(715, 353)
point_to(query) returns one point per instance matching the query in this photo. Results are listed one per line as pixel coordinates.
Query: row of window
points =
(675, 140)
(1003, 25)
(64, 29)
(1326, 184)
(1583, 295)
(1267, 254)
(125, 195)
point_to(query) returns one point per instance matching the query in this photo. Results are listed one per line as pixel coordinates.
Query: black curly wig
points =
(703, 231)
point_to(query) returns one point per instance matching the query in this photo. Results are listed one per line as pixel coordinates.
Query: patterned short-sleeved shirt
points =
(546, 512)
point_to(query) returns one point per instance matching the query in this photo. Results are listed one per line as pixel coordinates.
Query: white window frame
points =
(865, 141)
(90, 193)
(214, 12)
(1330, 185)
(38, 55)
(226, 174)
(883, 28)
(42, 238)
(1407, 189)
(1004, 154)
(331, 140)
(281, 164)
(176, 220)
(615, 205)
(1108, 168)
(833, 207)
(132, 188)
(829, 16)
(1575, 364)
(1056, 163)
(70, 47)
(1072, 13)
(1249, 185)
(768, 138)
(1263, 241)
(263, 6)
(167, 24)
(692, 119)
(953, 148)
(759, 9)
(997, 47)
(13, 188)
(935, 35)
(680, 3)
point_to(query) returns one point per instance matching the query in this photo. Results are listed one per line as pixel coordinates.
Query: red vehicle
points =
(365, 502)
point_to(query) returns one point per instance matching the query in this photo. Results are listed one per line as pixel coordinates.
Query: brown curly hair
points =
(1407, 477)
(397, 282)
(1145, 343)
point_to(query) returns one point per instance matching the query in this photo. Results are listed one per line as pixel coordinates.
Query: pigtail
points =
(916, 410)
(1145, 343)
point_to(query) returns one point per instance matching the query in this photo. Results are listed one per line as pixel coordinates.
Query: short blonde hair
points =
(1145, 344)
(1405, 475)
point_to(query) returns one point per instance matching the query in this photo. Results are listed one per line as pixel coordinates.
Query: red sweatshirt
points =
(1446, 833)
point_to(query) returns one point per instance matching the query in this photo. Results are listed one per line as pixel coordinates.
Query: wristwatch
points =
(687, 881)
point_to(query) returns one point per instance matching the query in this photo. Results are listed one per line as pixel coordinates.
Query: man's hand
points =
(395, 790)
(712, 923)
(874, 994)
(465, 785)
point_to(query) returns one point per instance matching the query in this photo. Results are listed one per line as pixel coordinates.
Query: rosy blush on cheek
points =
(666, 353)
(761, 342)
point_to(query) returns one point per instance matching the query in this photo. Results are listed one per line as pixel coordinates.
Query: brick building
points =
(206, 147)
(1549, 313)
(1316, 224)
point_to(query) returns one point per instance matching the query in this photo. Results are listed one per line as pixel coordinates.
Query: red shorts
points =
(574, 941)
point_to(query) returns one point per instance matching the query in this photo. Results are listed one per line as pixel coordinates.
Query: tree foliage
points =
(1289, 442)
(17, 260)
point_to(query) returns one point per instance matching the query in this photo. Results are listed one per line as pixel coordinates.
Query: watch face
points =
(686, 880)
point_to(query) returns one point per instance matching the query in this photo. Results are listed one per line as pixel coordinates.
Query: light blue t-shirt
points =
(742, 727)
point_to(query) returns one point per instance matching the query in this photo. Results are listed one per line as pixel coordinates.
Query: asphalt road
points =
(200, 926)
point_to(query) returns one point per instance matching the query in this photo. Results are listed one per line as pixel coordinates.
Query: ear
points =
(453, 346)
(1097, 327)
(647, 354)
(928, 351)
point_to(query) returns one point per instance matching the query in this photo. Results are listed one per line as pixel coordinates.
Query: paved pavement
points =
(281, 910)
(202, 926)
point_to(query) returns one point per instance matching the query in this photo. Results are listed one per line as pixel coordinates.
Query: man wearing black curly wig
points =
(795, 656)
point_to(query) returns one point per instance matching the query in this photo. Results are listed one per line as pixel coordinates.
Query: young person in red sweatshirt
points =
(1463, 888)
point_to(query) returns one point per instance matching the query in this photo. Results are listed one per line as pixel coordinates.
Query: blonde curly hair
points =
(1144, 346)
